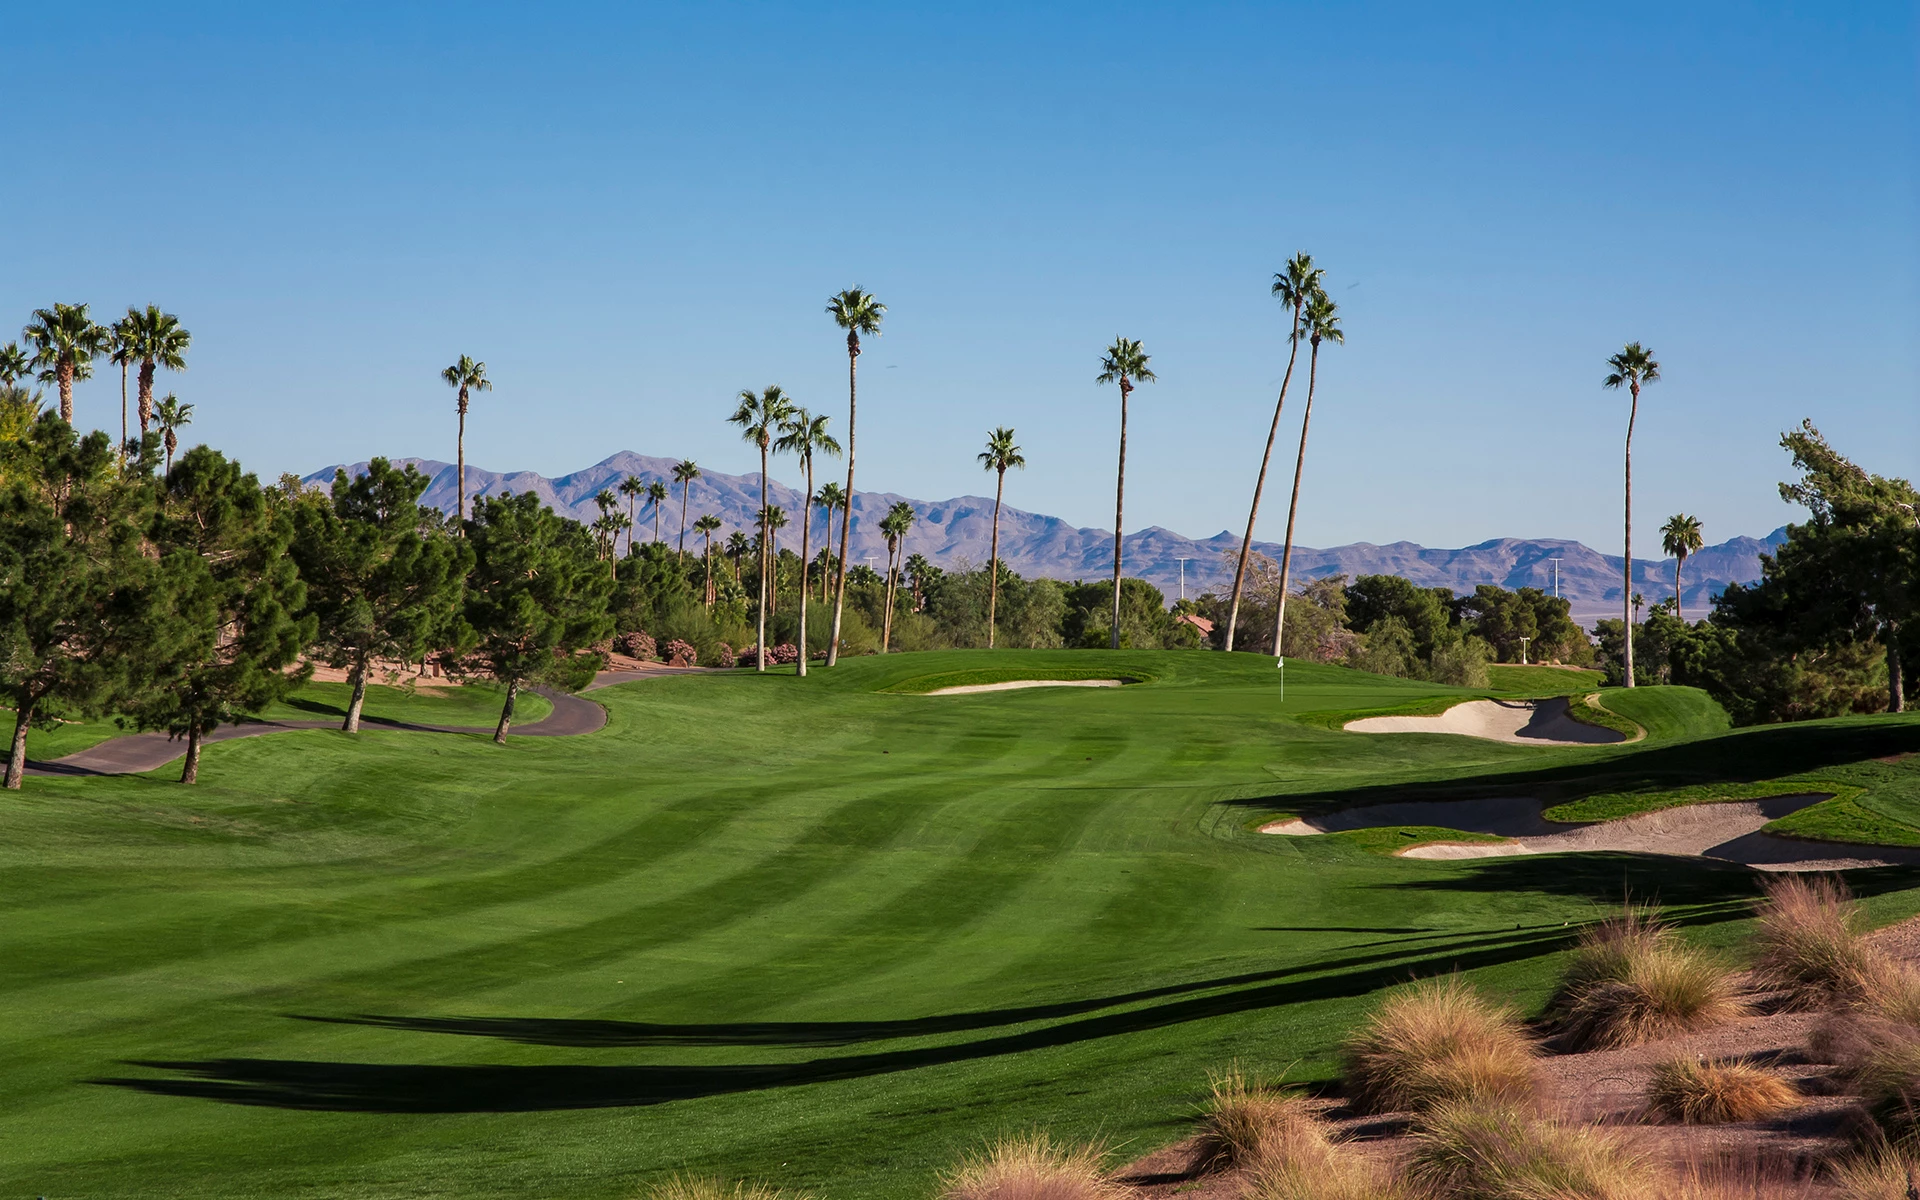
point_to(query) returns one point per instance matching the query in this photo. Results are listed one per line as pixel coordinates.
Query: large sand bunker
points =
(1524, 722)
(1727, 830)
(1013, 685)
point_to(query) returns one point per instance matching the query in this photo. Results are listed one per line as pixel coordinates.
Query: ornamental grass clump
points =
(699, 1188)
(1632, 979)
(1810, 945)
(1031, 1167)
(1319, 1168)
(1884, 1174)
(1887, 1072)
(1242, 1121)
(1439, 1042)
(1709, 1092)
(1496, 1152)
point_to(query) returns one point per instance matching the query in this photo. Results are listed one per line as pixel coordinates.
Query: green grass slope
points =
(811, 931)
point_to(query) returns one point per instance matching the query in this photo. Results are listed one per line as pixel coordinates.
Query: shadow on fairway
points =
(396, 1088)
(1724, 889)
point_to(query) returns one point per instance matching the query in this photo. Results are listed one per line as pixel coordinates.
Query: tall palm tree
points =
(656, 496)
(1293, 287)
(1126, 364)
(706, 526)
(15, 364)
(857, 312)
(894, 525)
(1321, 323)
(632, 487)
(759, 418)
(172, 416)
(124, 354)
(1680, 537)
(467, 376)
(159, 341)
(831, 498)
(773, 521)
(66, 340)
(736, 549)
(1632, 368)
(999, 455)
(804, 434)
(684, 473)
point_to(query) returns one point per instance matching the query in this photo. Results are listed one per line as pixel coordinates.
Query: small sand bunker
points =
(1524, 722)
(1728, 831)
(1014, 685)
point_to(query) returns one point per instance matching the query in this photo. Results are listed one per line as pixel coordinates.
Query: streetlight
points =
(1523, 650)
(1183, 578)
(1556, 577)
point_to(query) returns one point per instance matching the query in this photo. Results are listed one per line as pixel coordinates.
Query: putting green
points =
(808, 931)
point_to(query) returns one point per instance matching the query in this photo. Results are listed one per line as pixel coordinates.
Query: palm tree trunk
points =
(685, 487)
(1293, 507)
(17, 760)
(506, 713)
(352, 724)
(886, 618)
(993, 559)
(806, 541)
(123, 411)
(1678, 561)
(460, 468)
(1119, 507)
(846, 518)
(63, 375)
(190, 769)
(760, 650)
(1896, 681)
(1626, 599)
(633, 519)
(145, 395)
(1260, 482)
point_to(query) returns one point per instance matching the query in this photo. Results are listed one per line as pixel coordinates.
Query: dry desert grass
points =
(1244, 1121)
(1495, 1152)
(1439, 1042)
(1706, 1092)
(1633, 980)
(1031, 1167)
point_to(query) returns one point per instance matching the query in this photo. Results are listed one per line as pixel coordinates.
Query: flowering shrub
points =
(638, 645)
(724, 656)
(680, 654)
(785, 652)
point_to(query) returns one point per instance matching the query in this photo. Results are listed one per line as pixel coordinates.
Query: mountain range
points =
(958, 530)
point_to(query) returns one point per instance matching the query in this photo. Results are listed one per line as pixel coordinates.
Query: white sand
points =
(1728, 831)
(1523, 722)
(1016, 684)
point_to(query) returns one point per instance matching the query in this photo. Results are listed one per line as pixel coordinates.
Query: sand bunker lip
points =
(1014, 685)
(1521, 722)
(1727, 831)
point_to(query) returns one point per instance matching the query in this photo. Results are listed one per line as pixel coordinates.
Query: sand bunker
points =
(1524, 722)
(1728, 831)
(1014, 685)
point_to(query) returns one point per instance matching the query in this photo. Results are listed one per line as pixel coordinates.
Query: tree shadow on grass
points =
(410, 1088)
(1719, 890)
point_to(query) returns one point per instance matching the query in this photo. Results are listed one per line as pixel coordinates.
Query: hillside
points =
(958, 530)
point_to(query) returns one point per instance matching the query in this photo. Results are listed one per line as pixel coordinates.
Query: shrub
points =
(1031, 1167)
(681, 654)
(638, 644)
(1887, 1070)
(1810, 945)
(1470, 1152)
(1438, 1042)
(784, 654)
(723, 656)
(1706, 1092)
(692, 1188)
(1306, 1164)
(1741, 1177)
(1240, 1118)
(1633, 980)
(1882, 1175)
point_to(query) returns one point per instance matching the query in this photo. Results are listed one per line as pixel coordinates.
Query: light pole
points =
(1183, 578)
(1523, 650)
(1556, 577)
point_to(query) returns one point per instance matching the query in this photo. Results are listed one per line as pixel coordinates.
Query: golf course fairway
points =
(824, 932)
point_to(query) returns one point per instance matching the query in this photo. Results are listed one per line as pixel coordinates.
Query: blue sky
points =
(632, 213)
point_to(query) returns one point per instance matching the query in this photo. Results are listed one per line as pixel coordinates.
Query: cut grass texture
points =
(1633, 980)
(1707, 1092)
(1241, 1117)
(1439, 1042)
(1810, 945)
(1031, 1166)
(1474, 1152)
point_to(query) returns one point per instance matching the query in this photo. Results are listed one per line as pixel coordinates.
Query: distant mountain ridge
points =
(959, 530)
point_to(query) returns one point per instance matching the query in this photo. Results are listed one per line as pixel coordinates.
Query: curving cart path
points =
(138, 752)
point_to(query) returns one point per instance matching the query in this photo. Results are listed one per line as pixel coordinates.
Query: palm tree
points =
(1293, 287)
(1320, 323)
(857, 312)
(123, 355)
(894, 525)
(15, 364)
(758, 418)
(468, 376)
(804, 434)
(1126, 364)
(706, 526)
(159, 341)
(632, 487)
(773, 521)
(656, 496)
(684, 473)
(736, 549)
(1632, 368)
(831, 497)
(999, 455)
(1680, 537)
(171, 416)
(606, 526)
(65, 341)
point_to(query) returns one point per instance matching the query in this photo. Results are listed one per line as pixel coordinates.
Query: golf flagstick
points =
(1283, 679)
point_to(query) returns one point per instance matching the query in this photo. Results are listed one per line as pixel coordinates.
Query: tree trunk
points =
(1896, 682)
(1678, 561)
(686, 486)
(760, 650)
(886, 617)
(846, 518)
(1260, 482)
(993, 559)
(506, 713)
(63, 375)
(190, 767)
(123, 411)
(806, 542)
(359, 695)
(17, 760)
(460, 471)
(1626, 600)
(1119, 506)
(1293, 507)
(146, 396)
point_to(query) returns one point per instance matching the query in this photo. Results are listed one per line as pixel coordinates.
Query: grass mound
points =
(1031, 1167)
(1244, 1121)
(1471, 1152)
(697, 1188)
(1708, 1092)
(1633, 980)
(1439, 1042)
(1810, 945)
(1307, 1164)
